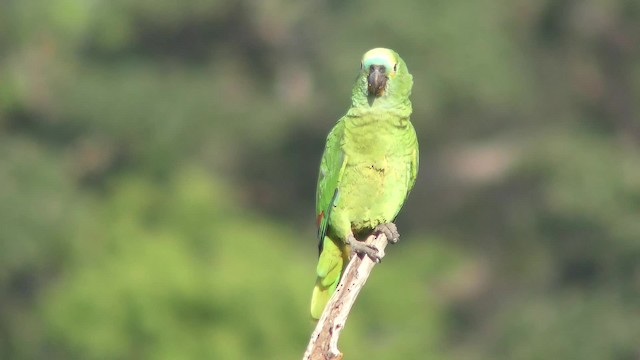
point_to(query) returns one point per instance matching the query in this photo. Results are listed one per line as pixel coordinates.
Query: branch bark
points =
(323, 344)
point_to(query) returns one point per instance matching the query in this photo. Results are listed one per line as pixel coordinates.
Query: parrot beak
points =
(377, 80)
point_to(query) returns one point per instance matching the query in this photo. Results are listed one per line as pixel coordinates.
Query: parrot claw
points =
(390, 230)
(359, 247)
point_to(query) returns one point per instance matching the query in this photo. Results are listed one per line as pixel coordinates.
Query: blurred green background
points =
(158, 162)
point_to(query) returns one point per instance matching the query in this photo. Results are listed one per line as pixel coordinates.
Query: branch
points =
(323, 344)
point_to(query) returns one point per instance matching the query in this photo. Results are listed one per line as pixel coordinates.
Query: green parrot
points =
(368, 167)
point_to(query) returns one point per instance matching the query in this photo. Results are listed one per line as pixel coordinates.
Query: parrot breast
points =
(376, 177)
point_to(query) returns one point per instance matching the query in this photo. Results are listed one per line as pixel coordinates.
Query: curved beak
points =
(377, 80)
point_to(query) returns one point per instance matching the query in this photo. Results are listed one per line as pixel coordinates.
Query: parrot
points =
(368, 167)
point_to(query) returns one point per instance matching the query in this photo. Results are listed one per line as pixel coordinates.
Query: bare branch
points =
(323, 344)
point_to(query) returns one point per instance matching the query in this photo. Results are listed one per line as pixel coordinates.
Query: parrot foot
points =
(390, 230)
(361, 248)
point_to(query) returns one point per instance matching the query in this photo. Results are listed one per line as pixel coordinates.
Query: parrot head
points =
(382, 72)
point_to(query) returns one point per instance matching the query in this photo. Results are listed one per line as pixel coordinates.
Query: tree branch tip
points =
(323, 344)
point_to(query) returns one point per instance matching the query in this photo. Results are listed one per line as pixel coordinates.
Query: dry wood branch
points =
(323, 344)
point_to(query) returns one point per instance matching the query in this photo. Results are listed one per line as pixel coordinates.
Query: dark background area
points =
(158, 162)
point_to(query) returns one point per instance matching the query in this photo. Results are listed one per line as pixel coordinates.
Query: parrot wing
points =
(331, 169)
(414, 163)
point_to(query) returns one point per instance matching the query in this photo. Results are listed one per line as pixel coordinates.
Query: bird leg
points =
(390, 230)
(360, 247)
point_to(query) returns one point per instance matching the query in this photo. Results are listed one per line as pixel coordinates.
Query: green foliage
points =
(158, 163)
(180, 276)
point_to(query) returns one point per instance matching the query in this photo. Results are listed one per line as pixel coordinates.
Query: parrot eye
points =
(395, 67)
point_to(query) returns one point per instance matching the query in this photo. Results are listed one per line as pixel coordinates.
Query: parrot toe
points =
(390, 230)
(359, 247)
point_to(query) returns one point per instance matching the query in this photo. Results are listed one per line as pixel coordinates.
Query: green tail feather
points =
(332, 261)
(320, 298)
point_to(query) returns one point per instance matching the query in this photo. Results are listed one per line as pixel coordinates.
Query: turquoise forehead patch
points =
(378, 60)
(379, 56)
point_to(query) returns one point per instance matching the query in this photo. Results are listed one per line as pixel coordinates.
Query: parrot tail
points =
(333, 259)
